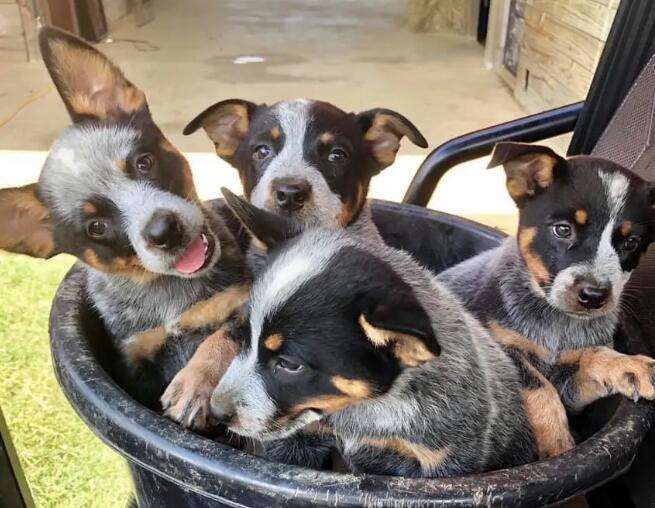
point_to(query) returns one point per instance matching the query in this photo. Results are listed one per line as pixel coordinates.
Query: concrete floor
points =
(354, 53)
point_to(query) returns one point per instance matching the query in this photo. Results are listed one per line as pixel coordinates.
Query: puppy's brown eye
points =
(631, 243)
(261, 152)
(562, 230)
(288, 366)
(144, 162)
(96, 228)
(338, 155)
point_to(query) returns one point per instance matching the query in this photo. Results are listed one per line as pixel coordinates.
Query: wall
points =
(443, 16)
(561, 43)
(12, 41)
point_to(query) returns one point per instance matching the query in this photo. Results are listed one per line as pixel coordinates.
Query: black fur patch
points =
(319, 323)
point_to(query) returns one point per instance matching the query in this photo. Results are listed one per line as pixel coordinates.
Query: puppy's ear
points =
(90, 85)
(394, 318)
(383, 129)
(226, 123)
(269, 229)
(528, 168)
(25, 223)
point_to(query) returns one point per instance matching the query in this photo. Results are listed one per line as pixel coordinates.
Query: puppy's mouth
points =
(197, 255)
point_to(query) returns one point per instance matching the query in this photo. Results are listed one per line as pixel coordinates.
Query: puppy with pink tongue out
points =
(195, 256)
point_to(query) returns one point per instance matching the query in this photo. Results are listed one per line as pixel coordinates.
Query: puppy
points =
(554, 291)
(305, 160)
(115, 193)
(359, 336)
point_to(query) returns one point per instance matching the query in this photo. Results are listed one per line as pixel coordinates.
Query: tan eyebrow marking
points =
(327, 137)
(274, 342)
(89, 208)
(581, 217)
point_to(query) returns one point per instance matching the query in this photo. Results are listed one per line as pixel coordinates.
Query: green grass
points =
(65, 464)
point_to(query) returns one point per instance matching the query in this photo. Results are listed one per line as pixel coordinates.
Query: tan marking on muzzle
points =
(129, 267)
(350, 208)
(626, 228)
(533, 261)
(275, 133)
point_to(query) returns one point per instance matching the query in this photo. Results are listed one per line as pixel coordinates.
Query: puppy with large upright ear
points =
(115, 193)
(305, 159)
(358, 337)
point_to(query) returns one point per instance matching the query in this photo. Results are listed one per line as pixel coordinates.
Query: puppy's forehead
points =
(299, 117)
(293, 116)
(86, 161)
(309, 256)
(601, 186)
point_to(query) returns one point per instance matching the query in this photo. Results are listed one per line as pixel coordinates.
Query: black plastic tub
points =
(174, 468)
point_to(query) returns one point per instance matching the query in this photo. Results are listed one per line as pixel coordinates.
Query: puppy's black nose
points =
(291, 195)
(164, 231)
(593, 297)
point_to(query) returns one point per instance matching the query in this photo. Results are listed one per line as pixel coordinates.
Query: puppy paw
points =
(633, 376)
(186, 400)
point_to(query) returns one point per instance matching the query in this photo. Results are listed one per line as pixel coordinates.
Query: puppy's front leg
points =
(207, 313)
(186, 400)
(546, 414)
(586, 375)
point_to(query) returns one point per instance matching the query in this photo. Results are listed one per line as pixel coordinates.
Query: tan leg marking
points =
(143, 345)
(216, 309)
(548, 419)
(429, 459)
(543, 406)
(515, 340)
(186, 400)
(213, 311)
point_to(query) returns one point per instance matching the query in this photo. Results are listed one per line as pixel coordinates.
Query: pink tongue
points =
(192, 258)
